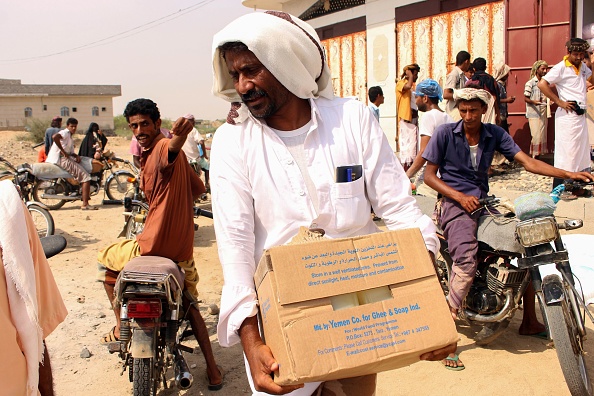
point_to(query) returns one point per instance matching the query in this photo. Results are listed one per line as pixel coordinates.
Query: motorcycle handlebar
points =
(202, 212)
(489, 200)
(113, 202)
(573, 184)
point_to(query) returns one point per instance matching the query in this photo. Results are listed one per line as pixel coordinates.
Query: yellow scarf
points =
(569, 64)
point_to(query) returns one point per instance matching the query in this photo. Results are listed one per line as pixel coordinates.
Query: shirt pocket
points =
(352, 209)
(487, 157)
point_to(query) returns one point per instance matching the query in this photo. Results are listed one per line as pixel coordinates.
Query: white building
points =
(87, 103)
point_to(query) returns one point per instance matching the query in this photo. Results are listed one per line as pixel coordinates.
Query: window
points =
(65, 112)
(74, 109)
(103, 109)
(28, 112)
(95, 111)
(44, 107)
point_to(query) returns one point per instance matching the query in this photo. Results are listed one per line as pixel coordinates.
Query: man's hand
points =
(468, 202)
(566, 105)
(583, 176)
(182, 127)
(76, 157)
(179, 133)
(261, 360)
(262, 365)
(440, 354)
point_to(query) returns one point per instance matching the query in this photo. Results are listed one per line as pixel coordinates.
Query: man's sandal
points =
(110, 337)
(219, 386)
(453, 359)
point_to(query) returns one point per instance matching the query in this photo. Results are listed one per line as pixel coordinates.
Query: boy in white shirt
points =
(428, 94)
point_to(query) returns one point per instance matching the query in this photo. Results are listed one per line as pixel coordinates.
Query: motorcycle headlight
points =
(537, 231)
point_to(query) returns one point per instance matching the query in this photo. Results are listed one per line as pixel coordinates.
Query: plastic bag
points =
(534, 204)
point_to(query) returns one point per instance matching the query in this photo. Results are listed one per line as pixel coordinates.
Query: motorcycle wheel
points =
(443, 266)
(142, 377)
(44, 222)
(118, 186)
(569, 347)
(134, 228)
(57, 188)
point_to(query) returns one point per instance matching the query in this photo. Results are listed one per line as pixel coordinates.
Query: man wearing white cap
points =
(195, 150)
(273, 171)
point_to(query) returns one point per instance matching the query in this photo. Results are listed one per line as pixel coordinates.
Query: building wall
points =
(12, 110)
(381, 52)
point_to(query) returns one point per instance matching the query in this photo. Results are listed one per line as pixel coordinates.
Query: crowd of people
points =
(570, 79)
(273, 171)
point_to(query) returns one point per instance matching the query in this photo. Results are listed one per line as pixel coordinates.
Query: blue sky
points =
(170, 62)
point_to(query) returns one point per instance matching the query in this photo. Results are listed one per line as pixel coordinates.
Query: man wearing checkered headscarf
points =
(276, 166)
(462, 153)
(571, 78)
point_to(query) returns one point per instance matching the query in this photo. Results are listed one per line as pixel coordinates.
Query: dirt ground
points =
(513, 364)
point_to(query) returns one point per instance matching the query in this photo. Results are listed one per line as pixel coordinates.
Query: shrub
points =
(166, 123)
(36, 128)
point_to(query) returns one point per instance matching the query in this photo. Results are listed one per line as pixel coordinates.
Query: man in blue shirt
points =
(462, 153)
(376, 98)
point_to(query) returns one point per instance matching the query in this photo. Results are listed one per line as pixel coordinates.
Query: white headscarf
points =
(500, 71)
(20, 280)
(472, 93)
(288, 47)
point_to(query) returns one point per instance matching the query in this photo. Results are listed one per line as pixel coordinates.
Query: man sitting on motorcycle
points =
(462, 153)
(170, 186)
(62, 154)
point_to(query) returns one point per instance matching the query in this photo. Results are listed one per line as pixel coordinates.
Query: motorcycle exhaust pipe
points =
(498, 316)
(61, 197)
(183, 378)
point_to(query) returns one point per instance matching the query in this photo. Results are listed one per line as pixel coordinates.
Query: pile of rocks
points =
(518, 179)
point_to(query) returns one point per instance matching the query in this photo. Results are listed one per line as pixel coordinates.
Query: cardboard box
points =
(313, 342)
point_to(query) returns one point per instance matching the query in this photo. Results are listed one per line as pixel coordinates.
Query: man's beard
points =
(265, 112)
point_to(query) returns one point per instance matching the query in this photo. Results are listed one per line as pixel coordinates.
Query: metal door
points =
(535, 29)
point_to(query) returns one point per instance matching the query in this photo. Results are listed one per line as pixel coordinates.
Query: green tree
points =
(120, 126)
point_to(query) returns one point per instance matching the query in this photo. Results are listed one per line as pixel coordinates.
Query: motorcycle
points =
(196, 168)
(54, 186)
(509, 255)
(153, 322)
(22, 178)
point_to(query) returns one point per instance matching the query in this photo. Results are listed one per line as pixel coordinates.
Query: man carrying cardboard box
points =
(292, 155)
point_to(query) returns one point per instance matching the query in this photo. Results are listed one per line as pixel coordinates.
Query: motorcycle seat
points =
(499, 237)
(49, 171)
(157, 266)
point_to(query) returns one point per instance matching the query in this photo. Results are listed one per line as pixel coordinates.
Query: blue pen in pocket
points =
(349, 173)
